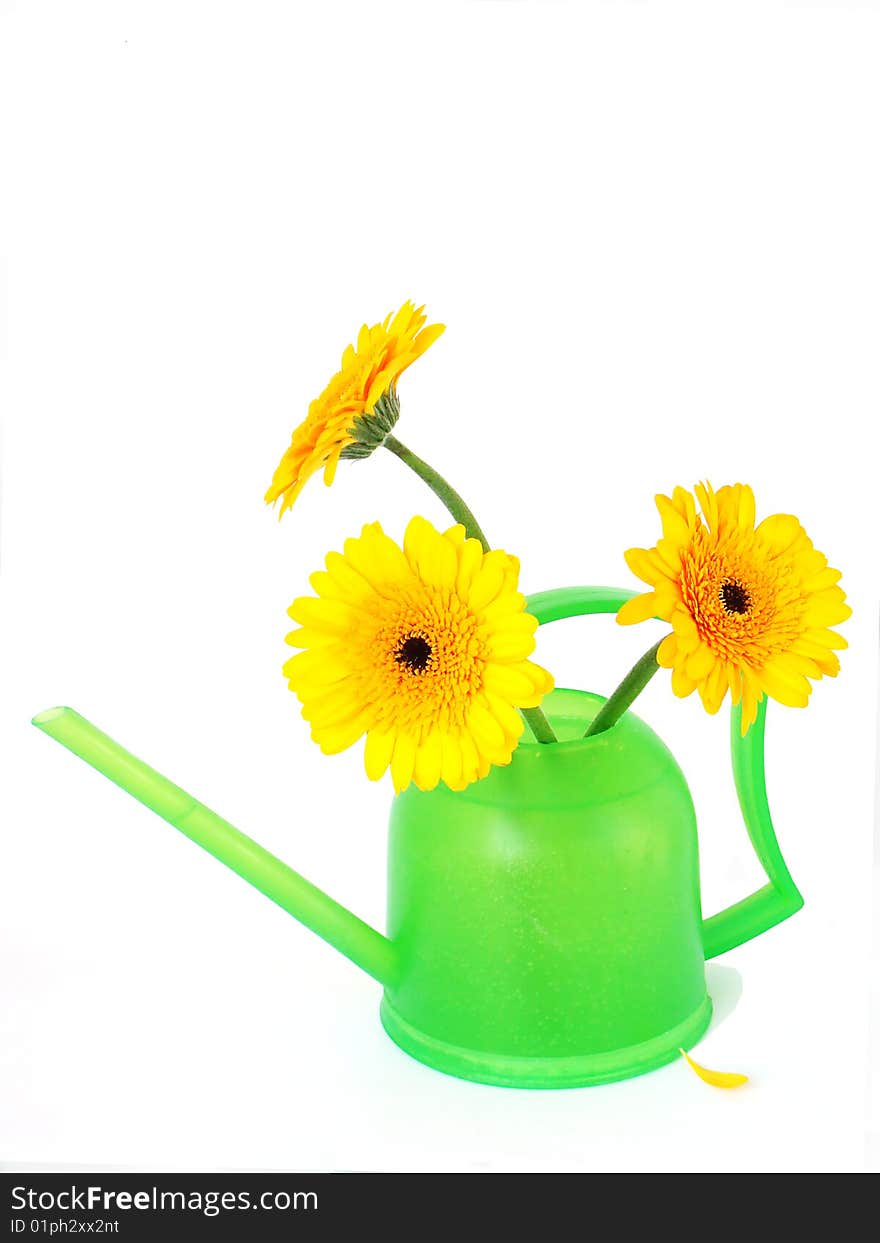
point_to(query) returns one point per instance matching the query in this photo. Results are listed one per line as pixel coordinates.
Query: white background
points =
(652, 231)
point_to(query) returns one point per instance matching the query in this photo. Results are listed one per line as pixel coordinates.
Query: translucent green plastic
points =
(544, 924)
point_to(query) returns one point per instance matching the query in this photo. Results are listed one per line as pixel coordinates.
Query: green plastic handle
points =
(776, 900)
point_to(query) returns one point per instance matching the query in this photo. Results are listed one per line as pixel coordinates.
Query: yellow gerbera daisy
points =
(750, 606)
(424, 649)
(345, 417)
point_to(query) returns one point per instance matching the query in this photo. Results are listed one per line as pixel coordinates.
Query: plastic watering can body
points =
(544, 924)
(548, 917)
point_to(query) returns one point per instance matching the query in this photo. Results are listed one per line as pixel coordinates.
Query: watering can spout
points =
(292, 892)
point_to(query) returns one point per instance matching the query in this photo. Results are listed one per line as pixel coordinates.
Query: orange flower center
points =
(745, 607)
(423, 660)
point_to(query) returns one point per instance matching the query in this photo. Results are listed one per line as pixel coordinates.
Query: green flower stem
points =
(438, 485)
(461, 512)
(632, 685)
(538, 724)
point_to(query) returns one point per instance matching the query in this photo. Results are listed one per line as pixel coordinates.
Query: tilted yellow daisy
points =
(423, 648)
(750, 606)
(359, 405)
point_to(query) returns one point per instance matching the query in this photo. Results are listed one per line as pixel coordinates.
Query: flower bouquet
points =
(544, 918)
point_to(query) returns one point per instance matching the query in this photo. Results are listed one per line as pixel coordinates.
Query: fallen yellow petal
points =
(717, 1078)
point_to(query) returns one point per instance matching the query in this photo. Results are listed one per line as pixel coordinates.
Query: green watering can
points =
(544, 925)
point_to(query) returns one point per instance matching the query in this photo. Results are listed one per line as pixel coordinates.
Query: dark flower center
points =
(734, 596)
(414, 652)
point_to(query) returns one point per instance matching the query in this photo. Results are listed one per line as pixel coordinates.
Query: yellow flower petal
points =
(305, 637)
(326, 706)
(328, 615)
(542, 680)
(427, 337)
(647, 564)
(682, 686)
(827, 613)
(700, 663)
(752, 695)
(638, 609)
(377, 558)
(485, 729)
(455, 535)
(824, 578)
(827, 661)
(451, 762)
(509, 646)
(736, 508)
(403, 761)
(488, 580)
(791, 689)
(670, 556)
(684, 503)
(507, 614)
(713, 687)
(506, 716)
(470, 559)
(428, 761)
(716, 1078)
(432, 558)
(684, 625)
(377, 753)
(779, 532)
(330, 467)
(320, 666)
(348, 584)
(667, 651)
(510, 681)
(335, 738)
(470, 758)
(675, 527)
(705, 494)
(829, 638)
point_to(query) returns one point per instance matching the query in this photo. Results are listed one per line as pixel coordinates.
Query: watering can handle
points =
(776, 900)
